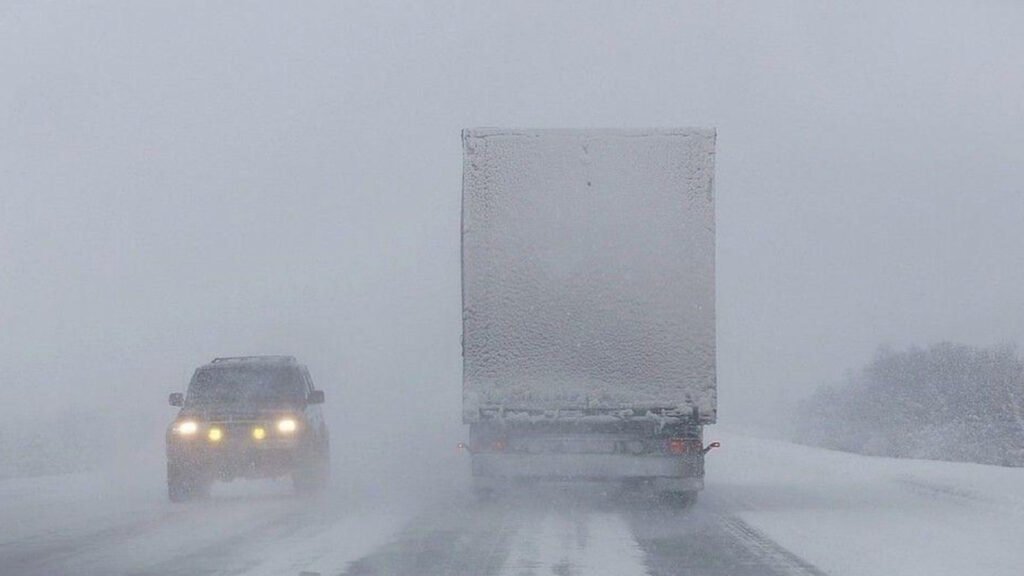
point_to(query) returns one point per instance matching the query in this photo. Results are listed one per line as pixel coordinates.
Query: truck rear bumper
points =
(660, 484)
(588, 466)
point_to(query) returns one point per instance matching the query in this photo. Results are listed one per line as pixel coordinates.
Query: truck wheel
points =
(680, 500)
(483, 495)
(484, 491)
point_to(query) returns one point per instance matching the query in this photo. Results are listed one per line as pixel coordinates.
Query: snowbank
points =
(865, 516)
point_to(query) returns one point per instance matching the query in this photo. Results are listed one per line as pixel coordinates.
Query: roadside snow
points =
(857, 515)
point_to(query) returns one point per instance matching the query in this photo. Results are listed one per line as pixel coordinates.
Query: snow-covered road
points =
(770, 508)
(548, 533)
(81, 526)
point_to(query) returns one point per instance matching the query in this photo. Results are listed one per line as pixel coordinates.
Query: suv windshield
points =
(246, 385)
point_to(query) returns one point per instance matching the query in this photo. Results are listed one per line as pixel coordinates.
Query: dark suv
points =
(251, 417)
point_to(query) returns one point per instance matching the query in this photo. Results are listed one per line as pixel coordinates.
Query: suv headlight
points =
(287, 425)
(186, 427)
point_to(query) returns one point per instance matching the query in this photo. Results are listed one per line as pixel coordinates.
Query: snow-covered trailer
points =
(588, 260)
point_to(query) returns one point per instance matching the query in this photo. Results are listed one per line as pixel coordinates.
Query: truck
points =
(588, 292)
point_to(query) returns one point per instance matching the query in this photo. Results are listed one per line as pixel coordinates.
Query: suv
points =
(251, 417)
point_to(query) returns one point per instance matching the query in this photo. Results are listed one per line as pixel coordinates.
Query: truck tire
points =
(680, 500)
(483, 494)
(484, 491)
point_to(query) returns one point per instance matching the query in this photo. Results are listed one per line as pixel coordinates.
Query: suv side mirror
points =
(315, 397)
(176, 399)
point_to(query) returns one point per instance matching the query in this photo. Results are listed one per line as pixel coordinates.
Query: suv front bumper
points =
(232, 458)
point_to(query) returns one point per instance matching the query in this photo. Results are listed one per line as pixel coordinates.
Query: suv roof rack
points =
(282, 359)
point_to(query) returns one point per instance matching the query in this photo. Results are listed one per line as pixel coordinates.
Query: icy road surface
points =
(771, 508)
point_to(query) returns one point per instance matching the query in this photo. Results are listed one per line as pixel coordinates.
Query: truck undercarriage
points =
(667, 458)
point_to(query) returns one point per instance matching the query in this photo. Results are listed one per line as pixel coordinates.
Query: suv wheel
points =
(183, 486)
(313, 472)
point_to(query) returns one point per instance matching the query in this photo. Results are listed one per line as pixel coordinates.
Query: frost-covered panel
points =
(588, 270)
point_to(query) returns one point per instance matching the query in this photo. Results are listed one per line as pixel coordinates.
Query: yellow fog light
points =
(286, 426)
(259, 433)
(215, 435)
(186, 428)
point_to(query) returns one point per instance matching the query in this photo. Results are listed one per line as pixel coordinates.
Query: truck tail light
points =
(679, 446)
(498, 446)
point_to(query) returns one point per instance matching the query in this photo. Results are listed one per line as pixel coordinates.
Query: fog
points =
(180, 181)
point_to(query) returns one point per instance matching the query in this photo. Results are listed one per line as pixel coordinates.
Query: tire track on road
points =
(463, 539)
(538, 535)
(764, 547)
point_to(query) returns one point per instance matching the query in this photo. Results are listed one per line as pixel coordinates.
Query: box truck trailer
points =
(588, 289)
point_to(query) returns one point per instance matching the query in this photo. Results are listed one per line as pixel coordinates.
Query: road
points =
(569, 533)
(771, 508)
(89, 530)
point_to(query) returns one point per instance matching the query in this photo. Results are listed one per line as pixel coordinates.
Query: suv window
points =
(250, 385)
(309, 380)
